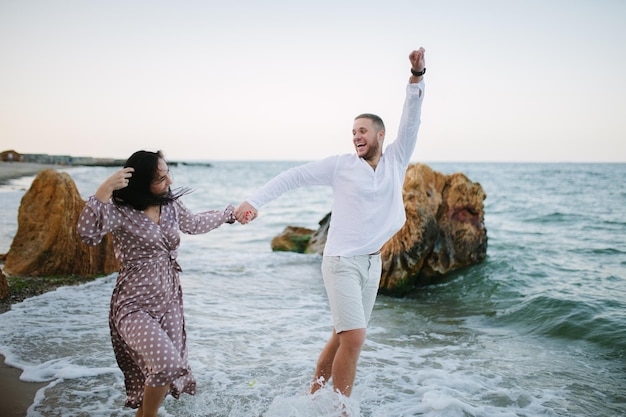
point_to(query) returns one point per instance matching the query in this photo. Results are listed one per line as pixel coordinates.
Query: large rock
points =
(444, 231)
(46, 242)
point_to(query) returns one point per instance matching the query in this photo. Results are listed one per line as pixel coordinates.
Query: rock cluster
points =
(46, 242)
(444, 231)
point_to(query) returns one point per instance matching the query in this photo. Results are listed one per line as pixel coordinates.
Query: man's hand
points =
(245, 213)
(417, 63)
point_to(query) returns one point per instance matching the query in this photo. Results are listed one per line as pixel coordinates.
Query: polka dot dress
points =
(146, 317)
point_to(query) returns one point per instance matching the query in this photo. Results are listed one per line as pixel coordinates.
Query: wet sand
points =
(17, 395)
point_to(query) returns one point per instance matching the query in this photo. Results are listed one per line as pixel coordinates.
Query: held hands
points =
(117, 181)
(245, 213)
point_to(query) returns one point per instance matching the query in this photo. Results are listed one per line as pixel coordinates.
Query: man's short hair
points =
(378, 122)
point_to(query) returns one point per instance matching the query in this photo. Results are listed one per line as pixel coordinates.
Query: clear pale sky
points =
(510, 81)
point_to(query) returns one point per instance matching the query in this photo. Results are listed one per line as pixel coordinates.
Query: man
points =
(367, 211)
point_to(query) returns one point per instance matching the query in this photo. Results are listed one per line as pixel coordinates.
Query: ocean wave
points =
(557, 218)
(570, 319)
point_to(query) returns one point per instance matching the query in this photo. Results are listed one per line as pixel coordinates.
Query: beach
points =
(17, 395)
(537, 329)
(11, 170)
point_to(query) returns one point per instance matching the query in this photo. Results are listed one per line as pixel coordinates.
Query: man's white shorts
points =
(352, 285)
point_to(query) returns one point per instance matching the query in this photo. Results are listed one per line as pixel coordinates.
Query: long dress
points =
(146, 315)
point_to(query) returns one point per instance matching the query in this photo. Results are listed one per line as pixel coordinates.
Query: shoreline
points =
(13, 170)
(17, 395)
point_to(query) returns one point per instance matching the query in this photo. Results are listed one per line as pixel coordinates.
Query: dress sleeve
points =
(96, 220)
(198, 223)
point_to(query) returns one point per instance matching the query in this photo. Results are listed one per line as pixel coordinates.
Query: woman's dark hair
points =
(137, 194)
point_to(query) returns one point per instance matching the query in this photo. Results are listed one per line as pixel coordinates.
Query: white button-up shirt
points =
(367, 208)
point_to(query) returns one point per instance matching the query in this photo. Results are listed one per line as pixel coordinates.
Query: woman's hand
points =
(245, 213)
(117, 181)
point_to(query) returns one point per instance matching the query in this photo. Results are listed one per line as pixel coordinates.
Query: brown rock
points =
(292, 239)
(444, 231)
(301, 239)
(46, 242)
(404, 255)
(4, 286)
(318, 239)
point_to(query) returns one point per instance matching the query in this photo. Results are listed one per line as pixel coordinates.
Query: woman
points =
(146, 318)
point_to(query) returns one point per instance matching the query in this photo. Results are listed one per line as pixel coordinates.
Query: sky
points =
(506, 81)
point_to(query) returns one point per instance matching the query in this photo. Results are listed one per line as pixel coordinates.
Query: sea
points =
(537, 329)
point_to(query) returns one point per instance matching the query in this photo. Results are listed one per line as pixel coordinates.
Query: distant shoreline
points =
(12, 170)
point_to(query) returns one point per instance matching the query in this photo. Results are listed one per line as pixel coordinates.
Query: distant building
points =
(10, 156)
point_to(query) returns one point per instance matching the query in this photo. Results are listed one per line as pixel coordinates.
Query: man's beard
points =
(372, 152)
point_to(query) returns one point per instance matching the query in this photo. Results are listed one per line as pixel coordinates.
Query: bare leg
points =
(346, 358)
(339, 361)
(324, 368)
(152, 399)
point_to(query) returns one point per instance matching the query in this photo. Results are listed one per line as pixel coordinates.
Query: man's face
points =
(367, 142)
(162, 181)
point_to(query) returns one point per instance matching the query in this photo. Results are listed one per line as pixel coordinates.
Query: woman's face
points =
(161, 183)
